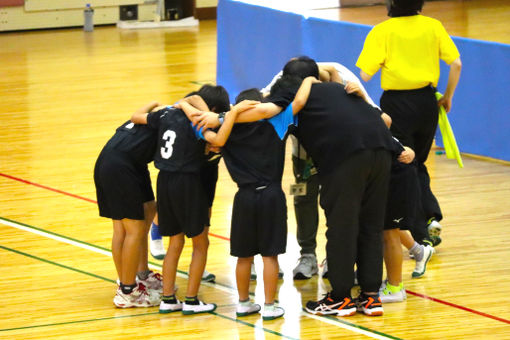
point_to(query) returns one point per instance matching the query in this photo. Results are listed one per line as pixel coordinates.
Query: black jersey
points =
(334, 124)
(139, 141)
(254, 153)
(178, 147)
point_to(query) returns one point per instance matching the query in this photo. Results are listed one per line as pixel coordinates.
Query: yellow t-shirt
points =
(407, 49)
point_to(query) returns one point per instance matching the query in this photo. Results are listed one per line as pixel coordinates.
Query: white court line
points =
(95, 249)
(346, 326)
(220, 287)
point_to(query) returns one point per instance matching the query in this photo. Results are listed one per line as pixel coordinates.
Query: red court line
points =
(219, 236)
(47, 188)
(75, 196)
(458, 306)
(227, 239)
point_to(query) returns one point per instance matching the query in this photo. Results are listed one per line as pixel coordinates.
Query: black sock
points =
(193, 300)
(169, 299)
(127, 289)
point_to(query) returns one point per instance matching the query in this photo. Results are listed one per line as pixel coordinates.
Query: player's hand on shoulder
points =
(312, 79)
(245, 105)
(352, 87)
(407, 156)
(158, 107)
(205, 120)
(152, 105)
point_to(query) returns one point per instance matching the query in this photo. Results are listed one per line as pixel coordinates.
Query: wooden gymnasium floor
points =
(62, 94)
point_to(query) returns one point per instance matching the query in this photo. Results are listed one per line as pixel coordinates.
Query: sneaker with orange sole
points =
(331, 306)
(370, 305)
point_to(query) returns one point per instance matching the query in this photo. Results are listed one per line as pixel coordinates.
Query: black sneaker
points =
(436, 240)
(330, 306)
(370, 305)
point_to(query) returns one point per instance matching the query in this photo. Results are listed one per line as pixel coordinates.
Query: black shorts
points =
(182, 205)
(209, 177)
(402, 197)
(122, 186)
(259, 221)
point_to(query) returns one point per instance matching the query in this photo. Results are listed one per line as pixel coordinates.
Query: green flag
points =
(450, 144)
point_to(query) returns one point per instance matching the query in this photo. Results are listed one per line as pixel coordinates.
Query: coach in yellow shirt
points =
(407, 48)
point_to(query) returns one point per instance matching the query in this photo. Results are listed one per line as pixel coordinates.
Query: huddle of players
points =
(350, 146)
(254, 155)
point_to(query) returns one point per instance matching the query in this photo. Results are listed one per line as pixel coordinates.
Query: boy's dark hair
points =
(286, 83)
(301, 67)
(250, 94)
(216, 97)
(401, 8)
(191, 94)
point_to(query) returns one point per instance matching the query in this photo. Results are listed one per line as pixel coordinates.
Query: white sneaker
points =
(139, 297)
(208, 277)
(201, 307)
(434, 228)
(153, 282)
(324, 266)
(421, 266)
(157, 249)
(387, 296)
(244, 309)
(306, 267)
(165, 308)
(272, 312)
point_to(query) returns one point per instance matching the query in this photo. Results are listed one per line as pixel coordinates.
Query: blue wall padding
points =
(326, 40)
(480, 116)
(255, 42)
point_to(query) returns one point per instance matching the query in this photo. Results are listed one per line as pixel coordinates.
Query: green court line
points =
(200, 82)
(75, 322)
(57, 264)
(361, 327)
(185, 273)
(112, 317)
(102, 248)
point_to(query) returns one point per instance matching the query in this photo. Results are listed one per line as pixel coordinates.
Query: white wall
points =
(67, 13)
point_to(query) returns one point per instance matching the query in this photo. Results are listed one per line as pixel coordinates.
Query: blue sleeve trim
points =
(282, 121)
(198, 133)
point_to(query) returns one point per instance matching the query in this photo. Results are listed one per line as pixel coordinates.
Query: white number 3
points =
(169, 138)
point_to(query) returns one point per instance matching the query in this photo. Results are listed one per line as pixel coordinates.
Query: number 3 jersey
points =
(179, 149)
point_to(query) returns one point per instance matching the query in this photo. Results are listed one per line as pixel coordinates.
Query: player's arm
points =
(219, 138)
(387, 119)
(328, 73)
(140, 115)
(453, 80)
(302, 94)
(202, 120)
(258, 112)
(196, 101)
(365, 76)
